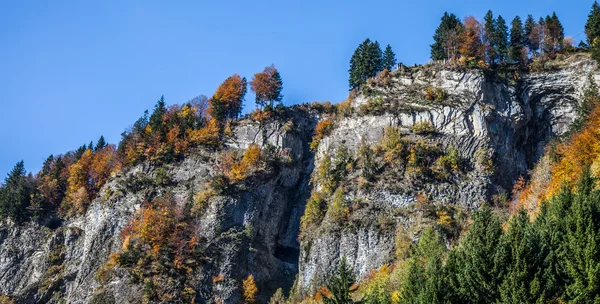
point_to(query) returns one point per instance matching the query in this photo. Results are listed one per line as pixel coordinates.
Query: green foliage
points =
(365, 63)
(339, 285)
(389, 58)
(278, 297)
(15, 194)
(592, 26)
(446, 37)
(517, 40)
(423, 127)
(435, 94)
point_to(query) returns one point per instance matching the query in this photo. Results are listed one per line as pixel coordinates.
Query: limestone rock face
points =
(509, 120)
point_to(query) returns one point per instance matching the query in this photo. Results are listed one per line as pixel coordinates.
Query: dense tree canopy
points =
(267, 86)
(365, 63)
(446, 37)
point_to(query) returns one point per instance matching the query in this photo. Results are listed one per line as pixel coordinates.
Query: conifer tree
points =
(501, 42)
(489, 36)
(156, 119)
(592, 26)
(445, 45)
(100, 144)
(553, 33)
(267, 85)
(389, 58)
(15, 194)
(365, 63)
(517, 40)
(339, 285)
(531, 34)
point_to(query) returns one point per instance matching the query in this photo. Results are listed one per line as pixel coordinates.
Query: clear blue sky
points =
(71, 71)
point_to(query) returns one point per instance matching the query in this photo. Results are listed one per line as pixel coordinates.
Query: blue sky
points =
(74, 70)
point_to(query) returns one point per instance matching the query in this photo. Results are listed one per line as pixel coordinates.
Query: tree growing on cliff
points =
(267, 86)
(389, 58)
(532, 35)
(501, 42)
(339, 285)
(250, 290)
(592, 26)
(15, 194)
(228, 99)
(471, 45)
(365, 63)
(553, 34)
(517, 41)
(445, 45)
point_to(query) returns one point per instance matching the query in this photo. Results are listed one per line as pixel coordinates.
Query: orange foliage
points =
(576, 154)
(237, 169)
(322, 129)
(267, 86)
(88, 175)
(471, 45)
(231, 92)
(250, 290)
(207, 136)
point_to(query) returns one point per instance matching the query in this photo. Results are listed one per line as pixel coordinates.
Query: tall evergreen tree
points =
(501, 42)
(476, 277)
(339, 285)
(517, 40)
(490, 37)
(156, 119)
(553, 33)
(445, 45)
(531, 31)
(100, 144)
(592, 26)
(365, 63)
(15, 196)
(389, 58)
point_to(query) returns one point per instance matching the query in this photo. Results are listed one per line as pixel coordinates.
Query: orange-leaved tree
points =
(227, 100)
(267, 86)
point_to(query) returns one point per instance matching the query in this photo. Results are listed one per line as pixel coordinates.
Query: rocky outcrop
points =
(510, 120)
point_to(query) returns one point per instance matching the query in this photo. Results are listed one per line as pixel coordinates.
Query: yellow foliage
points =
(249, 290)
(208, 135)
(323, 128)
(444, 219)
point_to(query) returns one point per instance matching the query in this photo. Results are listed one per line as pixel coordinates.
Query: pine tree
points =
(476, 276)
(389, 58)
(490, 37)
(531, 34)
(156, 119)
(501, 42)
(365, 63)
(100, 144)
(517, 40)
(445, 45)
(339, 285)
(553, 33)
(15, 196)
(592, 26)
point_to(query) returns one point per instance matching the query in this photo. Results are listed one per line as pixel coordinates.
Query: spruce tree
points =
(501, 42)
(15, 196)
(445, 39)
(477, 276)
(156, 119)
(592, 26)
(489, 36)
(100, 144)
(339, 285)
(517, 40)
(389, 58)
(365, 63)
(531, 41)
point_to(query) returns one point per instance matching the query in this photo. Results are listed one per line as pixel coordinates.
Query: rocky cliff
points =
(499, 125)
